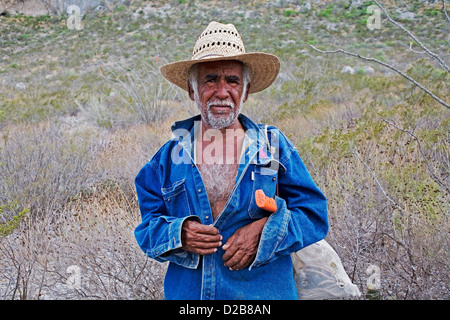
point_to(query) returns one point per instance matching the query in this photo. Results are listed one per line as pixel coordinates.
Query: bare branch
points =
(445, 11)
(375, 178)
(431, 54)
(386, 65)
(412, 50)
(433, 176)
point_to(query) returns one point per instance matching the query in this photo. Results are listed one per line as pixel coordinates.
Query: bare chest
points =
(218, 166)
(219, 182)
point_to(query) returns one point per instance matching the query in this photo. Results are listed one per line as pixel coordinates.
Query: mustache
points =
(223, 103)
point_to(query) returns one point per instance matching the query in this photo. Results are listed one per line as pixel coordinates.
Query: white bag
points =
(319, 274)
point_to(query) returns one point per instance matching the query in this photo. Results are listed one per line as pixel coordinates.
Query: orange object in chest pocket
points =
(264, 202)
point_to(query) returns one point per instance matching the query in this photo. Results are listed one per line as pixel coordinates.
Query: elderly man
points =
(197, 193)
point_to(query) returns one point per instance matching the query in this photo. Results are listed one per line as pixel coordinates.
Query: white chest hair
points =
(219, 182)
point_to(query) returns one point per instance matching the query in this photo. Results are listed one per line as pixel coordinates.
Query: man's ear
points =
(190, 91)
(246, 92)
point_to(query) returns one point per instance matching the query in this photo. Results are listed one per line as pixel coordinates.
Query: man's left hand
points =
(241, 247)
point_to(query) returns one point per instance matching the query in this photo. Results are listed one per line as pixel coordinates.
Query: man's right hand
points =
(200, 238)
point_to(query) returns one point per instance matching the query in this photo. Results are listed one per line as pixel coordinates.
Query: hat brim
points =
(264, 68)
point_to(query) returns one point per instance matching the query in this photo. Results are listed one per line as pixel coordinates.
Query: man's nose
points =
(222, 91)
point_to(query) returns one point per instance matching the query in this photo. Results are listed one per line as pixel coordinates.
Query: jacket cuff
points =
(171, 250)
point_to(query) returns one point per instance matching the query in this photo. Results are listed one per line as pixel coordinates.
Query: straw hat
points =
(222, 42)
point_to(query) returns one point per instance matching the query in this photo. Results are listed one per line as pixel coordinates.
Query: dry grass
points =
(93, 234)
(92, 230)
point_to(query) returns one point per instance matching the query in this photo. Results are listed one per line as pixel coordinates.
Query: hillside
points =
(81, 110)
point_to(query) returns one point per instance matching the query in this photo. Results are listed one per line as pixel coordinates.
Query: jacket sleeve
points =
(159, 234)
(301, 218)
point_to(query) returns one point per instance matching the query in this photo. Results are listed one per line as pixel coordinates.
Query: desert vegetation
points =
(82, 110)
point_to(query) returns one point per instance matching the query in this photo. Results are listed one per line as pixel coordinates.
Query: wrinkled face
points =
(220, 93)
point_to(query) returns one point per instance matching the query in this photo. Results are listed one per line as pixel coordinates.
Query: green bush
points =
(9, 221)
(326, 13)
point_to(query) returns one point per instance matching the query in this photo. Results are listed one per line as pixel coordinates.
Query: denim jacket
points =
(170, 190)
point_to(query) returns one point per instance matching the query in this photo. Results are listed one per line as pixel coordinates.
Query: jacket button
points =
(273, 179)
(199, 190)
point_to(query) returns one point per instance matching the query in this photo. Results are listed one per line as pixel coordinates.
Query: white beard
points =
(218, 122)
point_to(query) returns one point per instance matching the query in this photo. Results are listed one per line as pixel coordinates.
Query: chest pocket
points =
(265, 178)
(175, 198)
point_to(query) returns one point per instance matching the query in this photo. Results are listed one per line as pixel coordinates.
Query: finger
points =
(205, 251)
(229, 252)
(195, 226)
(201, 251)
(202, 247)
(201, 237)
(205, 229)
(244, 262)
(205, 245)
(240, 260)
(229, 242)
(235, 260)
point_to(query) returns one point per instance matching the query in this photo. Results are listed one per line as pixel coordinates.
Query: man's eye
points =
(233, 80)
